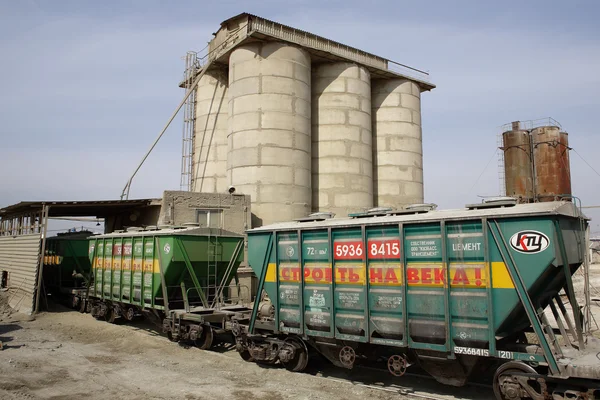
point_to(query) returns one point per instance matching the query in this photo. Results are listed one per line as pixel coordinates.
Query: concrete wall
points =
(397, 143)
(342, 169)
(178, 208)
(269, 129)
(209, 168)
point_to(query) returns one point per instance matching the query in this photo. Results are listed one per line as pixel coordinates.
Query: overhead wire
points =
(486, 166)
(584, 160)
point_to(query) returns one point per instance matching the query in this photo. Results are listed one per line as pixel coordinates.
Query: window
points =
(212, 218)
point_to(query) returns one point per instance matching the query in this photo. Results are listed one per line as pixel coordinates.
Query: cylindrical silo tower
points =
(342, 155)
(565, 161)
(209, 168)
(269, 129)
(397, 143)
(552, 169)
(518, 165)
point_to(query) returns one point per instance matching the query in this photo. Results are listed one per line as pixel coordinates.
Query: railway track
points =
(416, 385)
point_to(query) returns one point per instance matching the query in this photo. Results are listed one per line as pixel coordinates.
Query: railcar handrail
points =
(523, 295)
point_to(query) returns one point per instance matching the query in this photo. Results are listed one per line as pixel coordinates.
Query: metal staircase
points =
(189, 118)
(501, 170)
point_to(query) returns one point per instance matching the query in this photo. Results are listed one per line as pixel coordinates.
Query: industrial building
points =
(301, 123)
(23, 231)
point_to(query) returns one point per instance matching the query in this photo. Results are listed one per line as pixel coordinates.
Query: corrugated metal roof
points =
(559, 207)
(191, 231)
(19, 256)
(97, 208)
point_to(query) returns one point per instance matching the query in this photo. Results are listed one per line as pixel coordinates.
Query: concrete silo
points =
(209, 168)
(342, 168)
(518, 163)
(269, 129)
(397, 143)
(552, 168)
(271, 132)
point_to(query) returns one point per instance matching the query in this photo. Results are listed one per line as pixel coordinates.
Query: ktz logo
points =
(529, 242)
(289, 251)
(167, 248)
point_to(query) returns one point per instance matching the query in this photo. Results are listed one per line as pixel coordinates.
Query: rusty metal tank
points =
(518, 168)
(552, 168)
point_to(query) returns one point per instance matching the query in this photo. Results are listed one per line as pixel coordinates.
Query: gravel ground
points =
(67, 355)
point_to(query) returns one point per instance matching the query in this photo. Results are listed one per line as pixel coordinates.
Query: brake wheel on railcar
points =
(397, 364)
(129, 314)
(347, 357)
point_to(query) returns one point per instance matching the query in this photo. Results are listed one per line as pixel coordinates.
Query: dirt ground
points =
(66, 355)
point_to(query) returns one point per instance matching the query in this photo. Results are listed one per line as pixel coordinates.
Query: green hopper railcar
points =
(67, 268)
(177, 277)
(456, 292)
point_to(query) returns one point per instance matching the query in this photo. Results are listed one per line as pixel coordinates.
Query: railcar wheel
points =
(170, 336)
(110, 316)
(82, 306)
(397, 365)
(299, 361)
(510, 388)
(246, 356)
(205, 340)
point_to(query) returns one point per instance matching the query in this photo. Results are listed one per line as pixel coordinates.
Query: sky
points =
(86, 86)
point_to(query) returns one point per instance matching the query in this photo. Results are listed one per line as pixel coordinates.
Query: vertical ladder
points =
(189, 118)
(501, 172)
(215, 252)
(549, 332)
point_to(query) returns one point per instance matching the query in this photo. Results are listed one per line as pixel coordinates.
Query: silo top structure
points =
(302, 127)
(245, 28)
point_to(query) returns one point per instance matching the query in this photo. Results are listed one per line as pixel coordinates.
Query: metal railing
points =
(408, 71)
(531, 124)
(235, 295)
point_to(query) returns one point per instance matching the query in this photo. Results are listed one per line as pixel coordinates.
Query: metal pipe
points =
(125, 193)
(40, 280)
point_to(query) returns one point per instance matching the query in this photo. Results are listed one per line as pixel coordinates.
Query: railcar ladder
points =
(548, 331)
(219, 291)
(215, 252)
